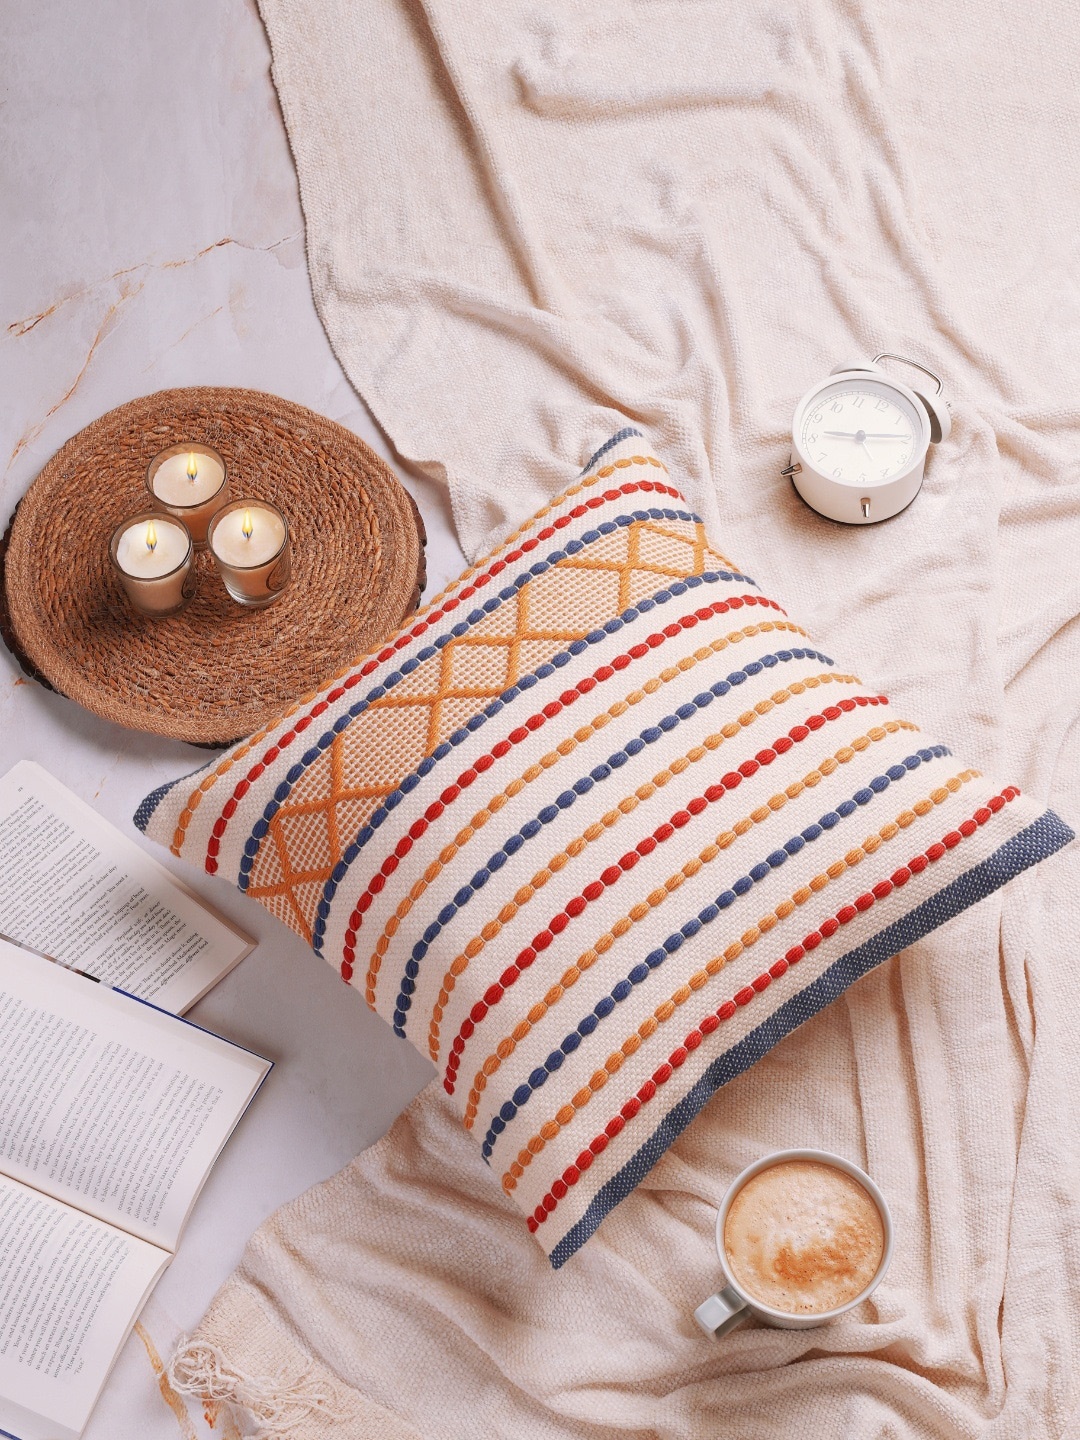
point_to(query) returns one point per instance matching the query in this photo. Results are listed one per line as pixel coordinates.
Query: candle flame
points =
(192, 465)
(248, 526)
(151, 536)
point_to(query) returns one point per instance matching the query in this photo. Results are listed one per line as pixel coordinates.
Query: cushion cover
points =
(595, 830)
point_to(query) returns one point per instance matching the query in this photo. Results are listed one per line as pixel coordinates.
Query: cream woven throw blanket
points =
(527, 226)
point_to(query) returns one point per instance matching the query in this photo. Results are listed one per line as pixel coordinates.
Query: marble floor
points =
(152, 237)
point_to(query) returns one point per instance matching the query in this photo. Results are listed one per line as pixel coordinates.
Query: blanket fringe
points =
(276, 1402)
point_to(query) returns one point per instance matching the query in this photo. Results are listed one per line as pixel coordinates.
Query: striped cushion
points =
(594, 831)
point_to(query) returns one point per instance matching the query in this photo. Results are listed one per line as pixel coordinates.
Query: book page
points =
(70, 1290)
(74, 887)
(108, 1104)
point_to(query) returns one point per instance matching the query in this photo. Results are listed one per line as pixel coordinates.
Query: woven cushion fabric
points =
(595, 830)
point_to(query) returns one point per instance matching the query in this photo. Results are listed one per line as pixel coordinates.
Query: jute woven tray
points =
(215, 671)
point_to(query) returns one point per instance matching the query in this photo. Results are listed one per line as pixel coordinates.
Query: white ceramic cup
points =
(734, 1303)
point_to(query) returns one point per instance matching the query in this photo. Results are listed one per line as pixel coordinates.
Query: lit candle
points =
(249, 541)
(190, 482)
(151, 555)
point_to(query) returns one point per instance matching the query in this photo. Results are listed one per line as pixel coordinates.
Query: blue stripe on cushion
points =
(533, 826)
(616, 439)
(606, 1005)
(1028, 847)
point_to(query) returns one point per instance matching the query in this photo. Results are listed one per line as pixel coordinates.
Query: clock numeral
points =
(813, 439)
(836, 405)
(882, 405)
(838, 473)
(858, 403)
(885, 472)
(822, 456)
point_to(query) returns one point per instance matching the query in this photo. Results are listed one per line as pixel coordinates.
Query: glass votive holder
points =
(249, 540)
(189, 481)
(151, 554)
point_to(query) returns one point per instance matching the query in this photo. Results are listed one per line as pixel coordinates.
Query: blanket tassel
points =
(276, 1402)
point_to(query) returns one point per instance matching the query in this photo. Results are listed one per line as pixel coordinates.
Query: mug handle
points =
(721, 1312)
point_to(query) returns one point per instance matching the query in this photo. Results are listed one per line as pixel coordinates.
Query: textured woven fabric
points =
(597, 829)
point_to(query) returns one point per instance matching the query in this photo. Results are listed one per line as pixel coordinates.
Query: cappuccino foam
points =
(803, 1237)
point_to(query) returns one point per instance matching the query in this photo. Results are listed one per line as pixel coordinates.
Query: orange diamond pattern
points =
(337, 794)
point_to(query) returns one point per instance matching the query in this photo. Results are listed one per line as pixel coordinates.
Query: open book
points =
(75, 889)
(112, 1114)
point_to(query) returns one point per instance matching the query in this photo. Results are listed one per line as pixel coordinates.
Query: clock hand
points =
(866, 435)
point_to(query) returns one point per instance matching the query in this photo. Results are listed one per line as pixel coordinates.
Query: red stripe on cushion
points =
(614, 873)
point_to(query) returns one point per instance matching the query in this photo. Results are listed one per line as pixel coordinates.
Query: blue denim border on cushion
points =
(1035, 843)
(144, 814)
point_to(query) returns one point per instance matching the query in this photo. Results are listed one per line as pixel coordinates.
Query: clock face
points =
(861, 432)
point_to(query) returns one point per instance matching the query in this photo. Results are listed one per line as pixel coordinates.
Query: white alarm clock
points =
(859, 441)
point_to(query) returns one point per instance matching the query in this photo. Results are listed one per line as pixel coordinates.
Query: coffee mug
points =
(736, 1302)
